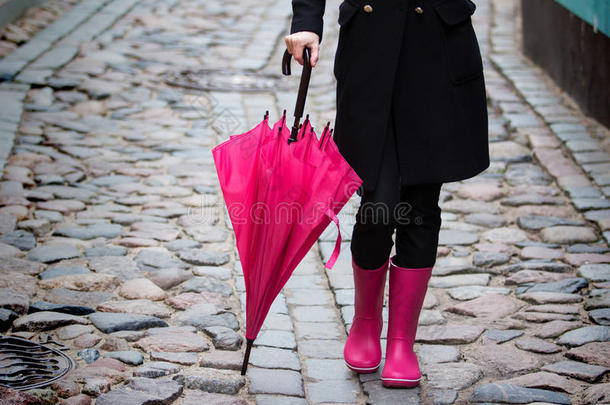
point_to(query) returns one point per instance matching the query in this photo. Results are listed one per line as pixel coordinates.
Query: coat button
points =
(419, 10)
(367, 8)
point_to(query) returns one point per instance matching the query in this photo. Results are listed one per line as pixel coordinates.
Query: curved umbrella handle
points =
(303, 87)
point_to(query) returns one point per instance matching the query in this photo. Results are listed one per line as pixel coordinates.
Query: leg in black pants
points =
(419, 222)
(412, 210)
(416, 218)
(375, 221)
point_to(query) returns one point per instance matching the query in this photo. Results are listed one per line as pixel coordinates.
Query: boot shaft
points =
(369, 290)
(407, 292)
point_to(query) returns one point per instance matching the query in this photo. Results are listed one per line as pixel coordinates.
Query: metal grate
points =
(226, 80)
(26, 365)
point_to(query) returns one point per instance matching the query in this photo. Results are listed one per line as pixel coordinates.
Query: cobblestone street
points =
(115, 241)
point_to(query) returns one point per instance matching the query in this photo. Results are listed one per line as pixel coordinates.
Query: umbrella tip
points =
(244, 366)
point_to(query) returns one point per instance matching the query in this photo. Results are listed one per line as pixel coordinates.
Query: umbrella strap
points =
(333, 257)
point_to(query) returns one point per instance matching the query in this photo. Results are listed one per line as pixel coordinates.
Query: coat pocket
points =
(461, 46)
(347, 10)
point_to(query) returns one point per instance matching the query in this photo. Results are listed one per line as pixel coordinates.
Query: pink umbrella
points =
(282, 188)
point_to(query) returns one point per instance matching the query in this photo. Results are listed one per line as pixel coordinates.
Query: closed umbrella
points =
(282, 188)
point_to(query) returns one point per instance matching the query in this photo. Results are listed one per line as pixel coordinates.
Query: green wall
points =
(595, 12)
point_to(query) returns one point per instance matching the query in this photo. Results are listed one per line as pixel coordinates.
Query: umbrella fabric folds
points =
(282, 187)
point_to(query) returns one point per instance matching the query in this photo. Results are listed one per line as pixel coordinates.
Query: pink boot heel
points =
(362, 350)
(407, 291)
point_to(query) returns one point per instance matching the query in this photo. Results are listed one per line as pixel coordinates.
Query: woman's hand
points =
(298, 41)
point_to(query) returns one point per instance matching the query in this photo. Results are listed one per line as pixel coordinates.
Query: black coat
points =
(420, 57)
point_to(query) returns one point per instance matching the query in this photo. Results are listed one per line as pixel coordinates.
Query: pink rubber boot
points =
(407, 291)
(362, 350)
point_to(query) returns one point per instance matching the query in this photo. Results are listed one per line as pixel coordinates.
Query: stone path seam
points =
(583, 158)
(320, 337)
(12, 96)
(65, 49)
(13, 63)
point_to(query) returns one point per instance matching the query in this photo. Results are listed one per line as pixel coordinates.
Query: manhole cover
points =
(26, 365)
(226, 80)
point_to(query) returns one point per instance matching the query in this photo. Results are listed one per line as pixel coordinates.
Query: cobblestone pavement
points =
(31, 23)
(115, 241)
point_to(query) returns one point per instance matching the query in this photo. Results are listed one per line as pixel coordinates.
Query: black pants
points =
(411, 210)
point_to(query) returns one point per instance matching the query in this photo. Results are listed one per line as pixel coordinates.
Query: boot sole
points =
(399, 382)
(363, 370)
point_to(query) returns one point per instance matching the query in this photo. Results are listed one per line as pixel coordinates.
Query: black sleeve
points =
(307, 16)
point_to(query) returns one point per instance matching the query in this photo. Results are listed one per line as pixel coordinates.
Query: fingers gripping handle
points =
(303, 86)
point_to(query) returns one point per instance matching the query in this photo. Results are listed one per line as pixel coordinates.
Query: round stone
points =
(141, 288)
